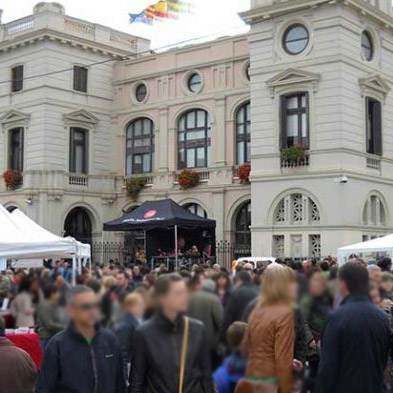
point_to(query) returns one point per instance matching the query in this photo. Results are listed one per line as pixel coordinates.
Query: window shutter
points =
(377, 127)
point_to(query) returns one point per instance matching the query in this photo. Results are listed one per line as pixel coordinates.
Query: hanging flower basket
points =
(134, 186)
(244, 172)
(13, 179)
(188, 179)
(293, 154)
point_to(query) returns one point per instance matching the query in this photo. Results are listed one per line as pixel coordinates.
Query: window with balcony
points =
(295, 120)
(15, 149)
(17, 78)
(243, 136)
(373, 126)
(80, 79)
(139, 147)
(79, 148)
(194, 139)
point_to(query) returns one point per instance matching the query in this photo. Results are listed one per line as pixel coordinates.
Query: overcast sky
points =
(210, 18)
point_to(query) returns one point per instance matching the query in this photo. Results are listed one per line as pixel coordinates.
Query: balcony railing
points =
(301, 162)
(204, 175)
(149, 179)
(78, 180)
(374, 163)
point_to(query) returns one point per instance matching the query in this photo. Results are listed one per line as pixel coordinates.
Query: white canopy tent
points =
(378, 245)
(22, 238)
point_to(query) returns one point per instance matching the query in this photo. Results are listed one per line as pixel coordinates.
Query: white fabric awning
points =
(380, 244)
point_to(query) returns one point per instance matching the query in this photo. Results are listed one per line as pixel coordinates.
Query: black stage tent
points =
(160, 214)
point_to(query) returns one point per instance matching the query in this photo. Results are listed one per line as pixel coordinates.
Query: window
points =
(194, 208)
(139, 147)
(295, 120)
(367, 46)
(15, 149)
(17, 78)
(140, 92)
(194, 82)
(373, 126)
(374, 213)
(194, 139)
(296, 39)
(80, 79)
(243, 136)
(78, 150)
(242, 230)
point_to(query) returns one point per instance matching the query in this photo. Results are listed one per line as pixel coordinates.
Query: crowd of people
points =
(274, 327)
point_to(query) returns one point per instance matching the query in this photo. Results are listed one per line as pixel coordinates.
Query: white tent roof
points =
(20, 237)
(380, 244)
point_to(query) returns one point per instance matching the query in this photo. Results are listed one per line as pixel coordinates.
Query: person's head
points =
(94, 284)
(136, 270)
(375, 273)
(223, 281)
(279, 285)
(51, 293)
(122, 279)
(353, 279)
(385, 264)
(171, 293)
(82, 306)
(134, 304)
(25, 284)
(59, 280)
(2, 327)
(242, 277)
(317, 284)
(375, 294)
(235, 334)
(387, 282)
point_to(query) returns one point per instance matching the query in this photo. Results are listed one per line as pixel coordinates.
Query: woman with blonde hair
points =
(269, 342)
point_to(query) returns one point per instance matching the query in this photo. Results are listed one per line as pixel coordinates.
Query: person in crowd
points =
(227, 376)
(245, 291)
(223, 286)
(165, 339)
(134, 309)
(206, 307)
(49, 320)
(387, 285)
(270, 339)
(357, 339)
(17, 370)
(375, 273)
(125, 283)
(22, 307)
(83, 358)
(385, 264)
(63, 287)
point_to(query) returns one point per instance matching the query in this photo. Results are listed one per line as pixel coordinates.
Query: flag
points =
(141, 18)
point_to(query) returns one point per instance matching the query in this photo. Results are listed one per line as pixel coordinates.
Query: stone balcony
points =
(52, 17)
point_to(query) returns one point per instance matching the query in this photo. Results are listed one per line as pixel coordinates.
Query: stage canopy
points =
(377, 245)
(158, 215)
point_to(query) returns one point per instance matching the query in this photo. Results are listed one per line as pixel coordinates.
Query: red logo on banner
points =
(150, 214)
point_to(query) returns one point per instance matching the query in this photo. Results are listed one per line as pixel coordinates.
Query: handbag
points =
(183, 353)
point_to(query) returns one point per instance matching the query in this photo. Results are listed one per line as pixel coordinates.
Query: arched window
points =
(242, 233)
(374, 213)
(194, 139)
(196, 209)
(78, 225)
(139, 147)
(243, 136)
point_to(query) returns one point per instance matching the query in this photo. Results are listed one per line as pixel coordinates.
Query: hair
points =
(2, 327)
(385, 263)
(164, 283)
(275, 284)
(49, 290)
(76, 291)
(109, 282)
(243, 276)
(94, 284)
(132, 299)
(386, 277)
(235, 334)
(355, 276)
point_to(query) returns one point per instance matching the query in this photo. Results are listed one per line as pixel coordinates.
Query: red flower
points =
(12, 178)
(244, 172)
(188, 179)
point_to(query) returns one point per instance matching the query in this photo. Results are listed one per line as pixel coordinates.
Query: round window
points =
(367, 46)
(140, 92)
(296, 39)
(195, 82)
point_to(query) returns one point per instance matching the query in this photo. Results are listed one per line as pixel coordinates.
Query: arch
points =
(129, 119)
(374, 210)
(241, 229)
(78, 225)
(232, 211)
(286, 193)
(11, 206)
(175, 116)
(196, 208)
(187, 201)
(94, 216)
(236, 105)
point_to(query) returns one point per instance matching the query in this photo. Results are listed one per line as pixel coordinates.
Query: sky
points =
(209, 19)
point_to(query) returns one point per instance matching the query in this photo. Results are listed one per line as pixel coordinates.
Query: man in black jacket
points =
(84, 358)
(155, 365)
(356, 340)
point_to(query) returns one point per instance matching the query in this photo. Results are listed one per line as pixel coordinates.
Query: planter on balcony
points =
(294, 156)
(244, 173)
(13, 179)
(134, 185)
(188, 179)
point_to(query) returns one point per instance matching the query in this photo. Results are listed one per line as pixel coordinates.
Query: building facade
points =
(305, 96)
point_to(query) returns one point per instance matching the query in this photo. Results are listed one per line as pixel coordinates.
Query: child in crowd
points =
(232, 370)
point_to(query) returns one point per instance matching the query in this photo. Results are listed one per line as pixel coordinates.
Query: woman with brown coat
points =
(269, 343)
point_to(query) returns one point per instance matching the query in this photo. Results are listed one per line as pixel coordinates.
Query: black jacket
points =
(156, 357)
(72, 365)
(355, 348)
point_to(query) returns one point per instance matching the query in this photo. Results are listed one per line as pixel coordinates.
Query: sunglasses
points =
(87, 306)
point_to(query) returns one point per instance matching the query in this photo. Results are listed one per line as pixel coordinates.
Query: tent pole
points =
(102, 247)
(73, 270)
(176, 250)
